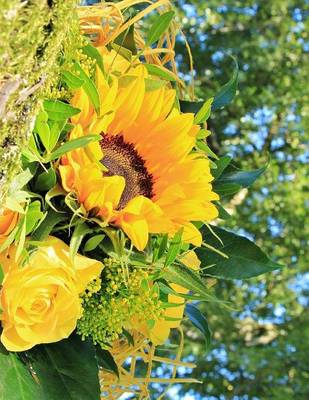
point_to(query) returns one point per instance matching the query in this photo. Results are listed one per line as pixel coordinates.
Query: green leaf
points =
(46, 180)
(54, 192)
(51, 220)
(242, 178)
(204, 113)
(158, 27)
(162, 247)
(94, 53)
(203, 134)
(227, 91)
(126, 40)
(66, 370)
(42, 129)
(174, 248)
(204, 147)
(225, 189)
(222, 163)
(73, 145)
(59, 111)
(106, 360)
(89, 87)
(188, 278)
(1, 274)
(34, 214)
(79, 233)
(56, 127)
(16, 382)
(125, 53)
(72, 81)
(129, 337)
(155, 70)
(223, 214)
(93, 242)
(199, 321)
(245, 259)
(190, 106)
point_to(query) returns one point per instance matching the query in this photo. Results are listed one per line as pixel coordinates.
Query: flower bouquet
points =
(108, 235)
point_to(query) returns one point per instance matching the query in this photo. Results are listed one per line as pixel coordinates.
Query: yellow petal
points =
(136, 229)
(191, 260)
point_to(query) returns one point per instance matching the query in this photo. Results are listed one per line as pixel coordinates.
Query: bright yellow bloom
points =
(143, 175)
(40, 300)
(8, 221)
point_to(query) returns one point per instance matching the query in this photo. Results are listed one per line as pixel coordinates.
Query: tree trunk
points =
(32, 36)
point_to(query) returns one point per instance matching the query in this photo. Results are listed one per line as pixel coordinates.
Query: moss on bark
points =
(34, 36)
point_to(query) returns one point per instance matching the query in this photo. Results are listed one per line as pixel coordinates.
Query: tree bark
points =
(32, 36)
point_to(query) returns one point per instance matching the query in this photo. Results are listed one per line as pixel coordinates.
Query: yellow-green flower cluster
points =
(112, 305)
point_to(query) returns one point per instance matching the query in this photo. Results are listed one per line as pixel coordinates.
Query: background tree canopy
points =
(259, 348)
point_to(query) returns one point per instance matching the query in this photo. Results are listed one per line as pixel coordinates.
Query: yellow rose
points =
(40, 299)
(8, 220)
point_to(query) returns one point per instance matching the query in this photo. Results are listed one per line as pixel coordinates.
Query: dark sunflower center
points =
(121, 158)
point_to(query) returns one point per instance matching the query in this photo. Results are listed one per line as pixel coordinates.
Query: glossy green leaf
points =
(227, 91)
(199, 321)
(73, 145)
(106, 360)
(245, 259)
(190, 106)
(158, 27)
(225, 189)
(89, 87)
(16, 381)
(223, 214)
(222, 163)
(72, 81)
(66, 370)
(242, 178)
(58, 110)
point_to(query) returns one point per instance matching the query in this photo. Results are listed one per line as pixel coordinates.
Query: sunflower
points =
(144, 175)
